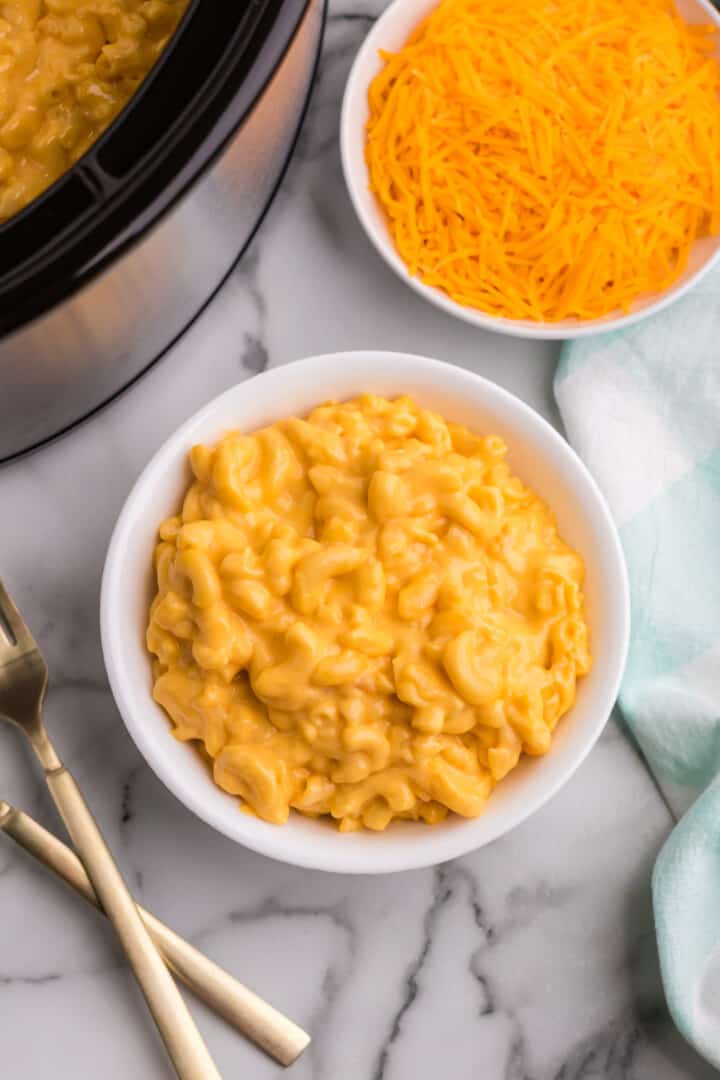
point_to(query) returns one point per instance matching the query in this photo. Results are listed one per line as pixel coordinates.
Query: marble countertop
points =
(532, 959)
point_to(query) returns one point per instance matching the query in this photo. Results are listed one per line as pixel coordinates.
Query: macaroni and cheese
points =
(364, 614)
(67, 67)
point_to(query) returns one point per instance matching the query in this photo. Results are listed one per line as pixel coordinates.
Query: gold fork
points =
(23, 681)
(250, 1015)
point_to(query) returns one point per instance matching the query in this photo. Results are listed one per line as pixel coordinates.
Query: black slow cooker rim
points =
(38, 446)
(70, 260)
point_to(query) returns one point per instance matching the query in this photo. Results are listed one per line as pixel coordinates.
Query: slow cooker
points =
(101, 273)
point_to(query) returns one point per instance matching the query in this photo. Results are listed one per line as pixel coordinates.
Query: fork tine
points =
(13, 620)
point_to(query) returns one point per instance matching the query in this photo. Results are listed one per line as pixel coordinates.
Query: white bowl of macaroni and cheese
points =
(365, 613)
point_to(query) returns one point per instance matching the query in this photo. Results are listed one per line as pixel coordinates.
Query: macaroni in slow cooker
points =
(67, 67)
(364, 614)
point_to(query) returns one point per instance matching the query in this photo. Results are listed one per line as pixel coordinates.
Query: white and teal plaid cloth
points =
(642, 408)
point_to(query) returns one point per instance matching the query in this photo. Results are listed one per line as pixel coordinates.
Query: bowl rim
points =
(438, 845)
(357, 183)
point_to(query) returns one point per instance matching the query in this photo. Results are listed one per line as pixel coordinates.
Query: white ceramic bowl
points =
(390, 32)
(541, 458)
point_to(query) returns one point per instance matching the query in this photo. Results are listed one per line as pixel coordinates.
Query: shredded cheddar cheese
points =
(548, 161)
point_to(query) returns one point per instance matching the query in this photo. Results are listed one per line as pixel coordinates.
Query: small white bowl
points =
(541, 458)
(390, 33)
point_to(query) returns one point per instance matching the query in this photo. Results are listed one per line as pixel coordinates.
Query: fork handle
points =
(253, 1017)
(182, 1039)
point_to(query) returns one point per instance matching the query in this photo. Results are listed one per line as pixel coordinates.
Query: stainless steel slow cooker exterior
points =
(65, 364)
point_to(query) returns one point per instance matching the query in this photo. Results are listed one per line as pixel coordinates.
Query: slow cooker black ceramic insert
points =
(101, 273)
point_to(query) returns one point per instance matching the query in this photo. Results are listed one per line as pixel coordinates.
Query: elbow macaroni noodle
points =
(67, 68)
(364, 614)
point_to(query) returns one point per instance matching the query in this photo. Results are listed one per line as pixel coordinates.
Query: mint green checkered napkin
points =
(642, 408)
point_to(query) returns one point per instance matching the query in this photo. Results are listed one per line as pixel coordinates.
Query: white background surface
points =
(533, 959)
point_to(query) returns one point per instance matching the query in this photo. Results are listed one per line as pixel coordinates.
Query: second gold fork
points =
(277, 1035)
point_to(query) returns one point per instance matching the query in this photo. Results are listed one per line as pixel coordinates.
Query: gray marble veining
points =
(532, 959)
